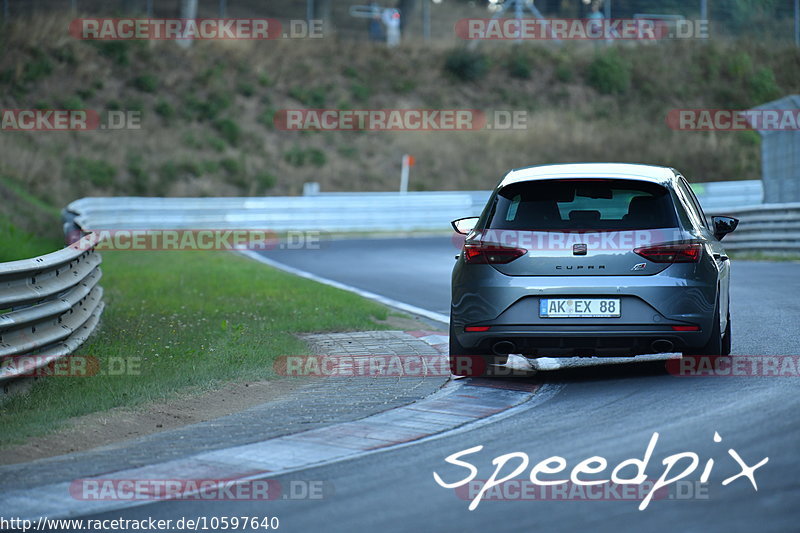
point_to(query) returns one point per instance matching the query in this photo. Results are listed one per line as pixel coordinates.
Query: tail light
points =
(480, 253)
(672, 253)
(469, 329)
(685, 328)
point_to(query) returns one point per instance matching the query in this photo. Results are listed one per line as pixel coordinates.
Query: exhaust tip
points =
(503, 348)
(662, 346)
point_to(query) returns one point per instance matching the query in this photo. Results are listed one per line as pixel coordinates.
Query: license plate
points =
(579, 307)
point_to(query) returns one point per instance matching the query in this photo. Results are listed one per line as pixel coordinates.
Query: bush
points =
(147, 83)
(360, 92)
(36, 68)
(519, 66)
(265, 180)
(295, 156)
(267, 118)
(165, 110)
(739, 65)
(609, 73)
(228, 130)
(231, 166)
(563, 72)
(138, 174)
(264, 80)
(98, 172)
(117, 51)
(215, 143)
(763, 86)
(313, 98)
(209, 108)
(316, 157)
(466, 65)
(246, 89)
(298, 157)
(72, 103)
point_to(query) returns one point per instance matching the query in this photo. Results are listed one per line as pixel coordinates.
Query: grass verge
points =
(183, 323)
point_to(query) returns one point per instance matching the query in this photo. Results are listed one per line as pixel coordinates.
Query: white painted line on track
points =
(413, 309)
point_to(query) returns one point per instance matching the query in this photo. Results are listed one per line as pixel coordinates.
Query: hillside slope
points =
(207, 112)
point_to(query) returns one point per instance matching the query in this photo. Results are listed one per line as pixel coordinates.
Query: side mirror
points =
(723, 226)
(464, 225)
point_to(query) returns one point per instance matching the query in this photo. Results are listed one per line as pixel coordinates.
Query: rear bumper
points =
(565, 341)
(650, 306)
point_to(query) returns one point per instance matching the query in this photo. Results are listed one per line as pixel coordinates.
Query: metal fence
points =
(50, 305)
(780, 156)
(771, 20)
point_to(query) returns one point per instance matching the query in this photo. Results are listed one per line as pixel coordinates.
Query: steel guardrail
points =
(368, 211)
(764, 228)
(49, 305)
(768, 228)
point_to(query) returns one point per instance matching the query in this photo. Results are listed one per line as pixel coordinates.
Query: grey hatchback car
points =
(590, 259)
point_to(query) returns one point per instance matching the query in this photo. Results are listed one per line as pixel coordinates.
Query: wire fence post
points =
(797, 22)
(426, 19)
(223, 8)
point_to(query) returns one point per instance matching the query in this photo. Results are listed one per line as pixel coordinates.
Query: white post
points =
(404, 174)
(188, 11)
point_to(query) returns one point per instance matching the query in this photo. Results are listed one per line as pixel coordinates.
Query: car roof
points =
(655, 174)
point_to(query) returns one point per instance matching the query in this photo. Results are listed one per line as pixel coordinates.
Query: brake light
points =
(685, 328)
(480, 253)
(476, 328)
(672, 253)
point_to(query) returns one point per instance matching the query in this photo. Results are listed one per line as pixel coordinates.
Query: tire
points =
(467, 362)
(726, 339)
(720, 342)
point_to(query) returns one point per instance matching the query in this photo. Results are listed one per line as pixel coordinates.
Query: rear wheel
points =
(467, 361)
(720, 341)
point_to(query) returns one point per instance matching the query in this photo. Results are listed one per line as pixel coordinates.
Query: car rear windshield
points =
(581, 204)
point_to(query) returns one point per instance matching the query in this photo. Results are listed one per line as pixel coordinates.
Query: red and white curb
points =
(461, 405)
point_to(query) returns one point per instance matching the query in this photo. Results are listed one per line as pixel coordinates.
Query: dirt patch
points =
(100, 429)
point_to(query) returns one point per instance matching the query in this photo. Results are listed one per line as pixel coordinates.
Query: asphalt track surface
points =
(610, 411)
